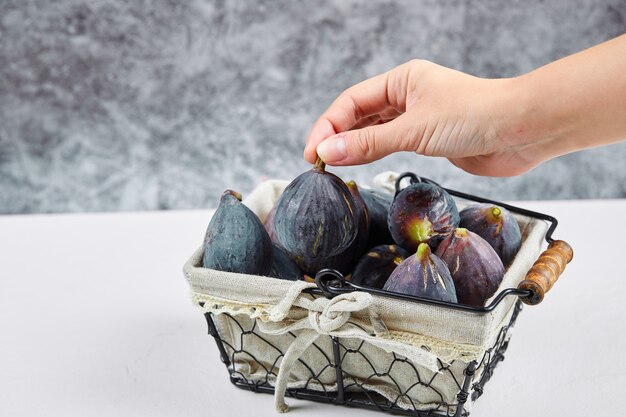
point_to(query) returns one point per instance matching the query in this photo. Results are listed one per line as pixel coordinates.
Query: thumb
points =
(361, 146)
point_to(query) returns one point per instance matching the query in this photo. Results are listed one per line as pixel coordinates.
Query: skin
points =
(492, 127)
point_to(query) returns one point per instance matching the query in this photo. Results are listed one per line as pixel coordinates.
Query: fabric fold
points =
(331, 317)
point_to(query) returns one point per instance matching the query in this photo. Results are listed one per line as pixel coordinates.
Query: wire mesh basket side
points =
(398, 382)
(253, 358)
(332, 370)
(494, 355)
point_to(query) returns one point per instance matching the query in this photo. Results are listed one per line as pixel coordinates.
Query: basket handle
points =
(546, 270)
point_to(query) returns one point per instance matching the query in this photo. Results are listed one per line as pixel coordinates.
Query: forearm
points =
(574, 103)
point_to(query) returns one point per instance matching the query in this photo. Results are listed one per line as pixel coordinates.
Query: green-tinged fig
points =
(496, 225)
(476, 269)
(424, 275)
(378, 208)
(375, 267)
(422, 213)
(235, 240)
(283, 267)
(315, 216)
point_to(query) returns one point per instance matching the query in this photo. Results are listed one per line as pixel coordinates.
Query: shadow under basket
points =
(339, 343)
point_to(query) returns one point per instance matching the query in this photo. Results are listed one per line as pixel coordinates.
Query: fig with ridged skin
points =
(496, 225)
(346, 260)
(475, 266)
(315, 216)
(422, 213)
(375, 267)
(235, 240)
(311, 266)
(378, 207)
(359, 245)
(423, 275)
(283, 267)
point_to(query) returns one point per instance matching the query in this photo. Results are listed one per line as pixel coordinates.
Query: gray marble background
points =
(116, 105)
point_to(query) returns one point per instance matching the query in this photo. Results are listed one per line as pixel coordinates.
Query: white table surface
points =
(95, 320)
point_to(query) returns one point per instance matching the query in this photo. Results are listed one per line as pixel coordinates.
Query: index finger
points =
(361, 100)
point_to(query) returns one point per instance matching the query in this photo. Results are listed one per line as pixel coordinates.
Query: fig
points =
(311, 266)
(269, 226)
(359, 244)
(424, 275)
(422, 213)
(315, 216)
(235, 240)
(283, 267)
(378, 208)
(375, 267)
(496, 225)
(475, 266)
(345, 261)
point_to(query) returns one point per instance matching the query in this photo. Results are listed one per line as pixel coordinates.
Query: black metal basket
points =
(350, 390)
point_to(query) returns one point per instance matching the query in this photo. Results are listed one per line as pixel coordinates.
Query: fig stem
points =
(423, 251)
(233, 193)
(496, 212)
(319, 164)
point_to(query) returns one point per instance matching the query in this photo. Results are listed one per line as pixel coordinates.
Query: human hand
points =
(494, 127)
(425, 108)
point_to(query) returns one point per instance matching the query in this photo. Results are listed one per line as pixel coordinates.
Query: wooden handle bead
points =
(546, 270)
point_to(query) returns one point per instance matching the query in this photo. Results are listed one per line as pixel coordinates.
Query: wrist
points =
(528, 126)
(574, 103)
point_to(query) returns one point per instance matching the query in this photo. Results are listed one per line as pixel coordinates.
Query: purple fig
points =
(359, 245)
(375, 267)
(476, 269)
(315, 216)
(345, 261)
(422, 213)
(496, 225)
(283, 267)
(269, 226)
(378, 207)
(424, 275)
(235, 240)
(311, 266)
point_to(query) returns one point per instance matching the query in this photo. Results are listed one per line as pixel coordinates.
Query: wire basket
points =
(351, 390)
(359, 363)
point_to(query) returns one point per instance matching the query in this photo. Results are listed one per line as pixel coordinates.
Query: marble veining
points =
(113, 105)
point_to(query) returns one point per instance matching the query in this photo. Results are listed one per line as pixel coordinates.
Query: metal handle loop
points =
(413, 179)
(328, 281)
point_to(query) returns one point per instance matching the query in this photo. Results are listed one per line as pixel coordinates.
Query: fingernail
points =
(332, 149)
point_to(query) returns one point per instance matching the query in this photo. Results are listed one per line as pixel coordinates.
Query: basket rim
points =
(326, 288)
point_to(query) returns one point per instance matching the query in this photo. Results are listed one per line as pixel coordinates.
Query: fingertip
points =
(333, 150)
(310, 155)
(321, 130)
